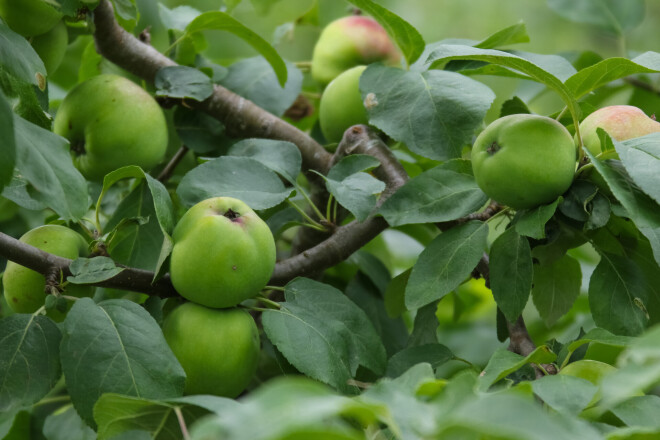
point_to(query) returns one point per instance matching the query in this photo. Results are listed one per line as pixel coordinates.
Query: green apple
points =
(341, 105)
(218, 349)
(524, 161)
(29, 17)
(51, 46)
(111, 122)
(348, 42)
(223, 253)
(24, 288)
(621, 122)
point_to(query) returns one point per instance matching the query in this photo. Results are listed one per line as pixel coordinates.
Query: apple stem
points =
(269, 302)
(309, 201)
(182, 423)
(306, 216)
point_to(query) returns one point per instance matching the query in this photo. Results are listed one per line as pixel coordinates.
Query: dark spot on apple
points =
(232, 215)
(70, 125)
(234, 268)
(78, 147)
(14, 299)
(493, 148)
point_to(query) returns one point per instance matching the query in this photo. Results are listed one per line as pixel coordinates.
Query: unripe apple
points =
(223, 253)
(341, 105)
(621, 122)
(24, 288)
(51, 46)
(218, 349)
(111, 122)
(524, 160)
(348, 42)
(29, 17)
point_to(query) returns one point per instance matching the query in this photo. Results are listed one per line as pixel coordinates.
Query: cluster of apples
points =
(223, 254)
(343, 51)
(41, 24)
(524, 160)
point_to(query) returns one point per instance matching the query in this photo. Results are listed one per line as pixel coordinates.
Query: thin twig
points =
(165, 175)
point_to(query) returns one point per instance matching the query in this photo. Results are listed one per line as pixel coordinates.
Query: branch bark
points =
(241, 117)
(136, 280)
(351, 237)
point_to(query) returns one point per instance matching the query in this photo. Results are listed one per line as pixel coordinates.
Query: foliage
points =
(380, 321)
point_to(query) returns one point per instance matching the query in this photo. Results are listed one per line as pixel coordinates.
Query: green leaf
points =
(504, 362)
(134, 236)
(198, 131)
(243, 178)
(183, 82)
(565, 393)
(425, 326)
(513, 416)
(253, 79)
(513, 34)
(338, 335)
(641, 158)
(92, 270)
(610, 69)
(177, 18)
(280, 156)
(157, 201)
(598, 335)
(406, 416)
(30, 359)
(116, 346)
(511, 272)
(531, 223)
(611, 15)
(617, 294)
(641, 209)
(433, 354)
(364, 292)
(8, 150)
(317, 410)
(639, 411)
(513, 106)
(406, 36)
(66, 424)
(395, 294)
(216, 20)
(354, 189)
(552, 72)
(445, 263)
(19, 58)
(639, 369)
(434, 113)
(555, 288)
(437, 195)
(43, 159)
(116, 414)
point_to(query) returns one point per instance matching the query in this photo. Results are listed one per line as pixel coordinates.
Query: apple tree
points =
(297, 219)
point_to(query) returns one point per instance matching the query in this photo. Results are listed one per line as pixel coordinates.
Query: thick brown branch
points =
(136, 280)
(351, 237)
(241, 117)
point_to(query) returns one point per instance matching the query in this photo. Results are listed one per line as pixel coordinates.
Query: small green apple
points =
(51, 46)
(524, 161)
(29, 17)
(341, 105)
(111, 122)
(223, 253)
(348, 42)
(24, 288)
(218, 349)
(621, 122)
